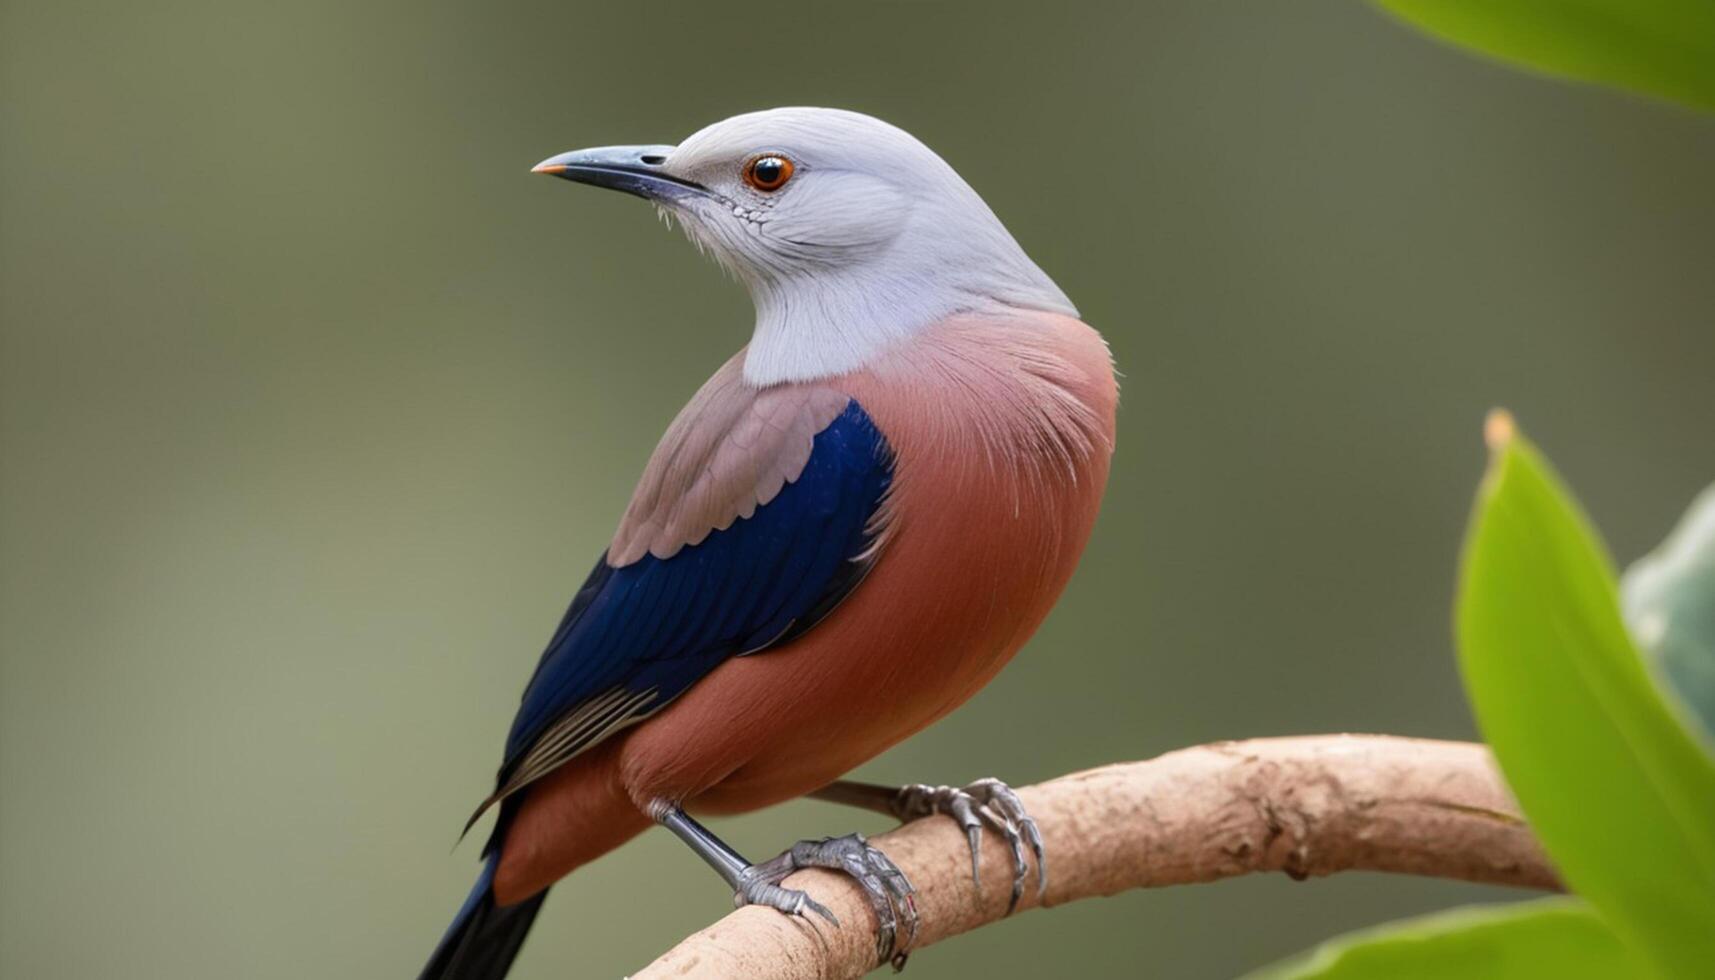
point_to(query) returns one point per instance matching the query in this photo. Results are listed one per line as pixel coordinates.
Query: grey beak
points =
(630, 169)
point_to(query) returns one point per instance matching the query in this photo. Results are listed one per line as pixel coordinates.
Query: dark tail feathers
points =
(484, 938)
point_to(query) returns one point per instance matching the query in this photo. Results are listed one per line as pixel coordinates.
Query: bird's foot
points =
(986, 801)
(890, 894)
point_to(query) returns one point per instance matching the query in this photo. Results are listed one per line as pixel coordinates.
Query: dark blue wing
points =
(637, 637)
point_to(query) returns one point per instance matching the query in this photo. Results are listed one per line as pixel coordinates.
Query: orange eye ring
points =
(768, 172)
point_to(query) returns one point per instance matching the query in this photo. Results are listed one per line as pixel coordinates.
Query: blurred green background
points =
(316, 407)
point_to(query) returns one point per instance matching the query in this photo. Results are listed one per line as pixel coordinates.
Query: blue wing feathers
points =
(664, 624)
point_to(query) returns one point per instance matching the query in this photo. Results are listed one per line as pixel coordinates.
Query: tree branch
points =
(1307, 806)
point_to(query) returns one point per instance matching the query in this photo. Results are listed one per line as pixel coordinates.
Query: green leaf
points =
(1619, 792)
(1553, 937)
(1662, 47)
(1670, 604)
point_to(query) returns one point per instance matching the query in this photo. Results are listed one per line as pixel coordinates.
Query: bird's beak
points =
(633, 169)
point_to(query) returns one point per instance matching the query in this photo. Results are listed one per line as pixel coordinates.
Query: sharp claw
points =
(821, 910)
(1001, 818)
(1020, 867)
(974, 834)
(958, 805)
(1034, 835)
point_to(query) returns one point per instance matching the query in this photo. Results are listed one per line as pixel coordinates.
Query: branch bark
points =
(1306, 806)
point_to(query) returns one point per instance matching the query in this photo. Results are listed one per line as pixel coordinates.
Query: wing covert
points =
(793, 542)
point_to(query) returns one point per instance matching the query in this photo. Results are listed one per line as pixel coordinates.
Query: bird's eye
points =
(768, 172)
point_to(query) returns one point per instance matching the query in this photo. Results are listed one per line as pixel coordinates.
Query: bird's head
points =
(850, 233)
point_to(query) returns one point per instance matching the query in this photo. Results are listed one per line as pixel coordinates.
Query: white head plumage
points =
(850, 233)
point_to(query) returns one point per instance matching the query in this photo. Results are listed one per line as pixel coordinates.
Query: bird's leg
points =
(749, 885)
(986, 801)
(888, 891)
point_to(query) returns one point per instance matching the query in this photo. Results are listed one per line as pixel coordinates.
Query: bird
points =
(848, 530)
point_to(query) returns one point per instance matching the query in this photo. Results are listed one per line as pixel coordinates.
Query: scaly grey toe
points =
(758, 890)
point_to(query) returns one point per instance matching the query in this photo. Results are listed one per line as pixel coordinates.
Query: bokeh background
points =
(316, 407)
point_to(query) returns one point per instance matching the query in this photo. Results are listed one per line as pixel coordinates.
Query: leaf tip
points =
(1499, 430)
